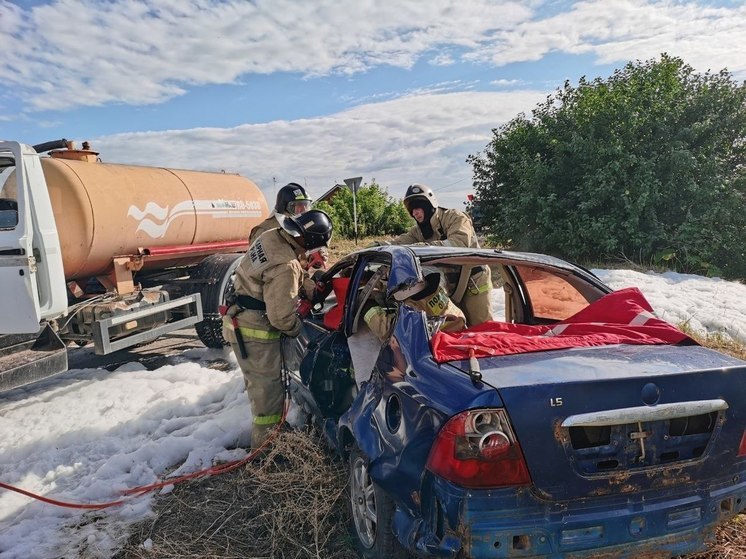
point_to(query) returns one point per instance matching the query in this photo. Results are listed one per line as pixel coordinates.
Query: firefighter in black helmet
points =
(448, 227)
(291, 200)
(269, 280)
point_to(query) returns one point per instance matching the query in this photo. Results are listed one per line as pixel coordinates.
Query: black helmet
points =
(314, 226)
(420, 192)
(292, 200)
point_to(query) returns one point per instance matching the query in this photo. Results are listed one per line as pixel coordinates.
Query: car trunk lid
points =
(622, 419)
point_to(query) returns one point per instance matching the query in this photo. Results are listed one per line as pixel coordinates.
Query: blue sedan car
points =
(575, 425)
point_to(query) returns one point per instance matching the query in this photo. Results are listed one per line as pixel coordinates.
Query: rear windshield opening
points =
(588, 437)
(692, 425)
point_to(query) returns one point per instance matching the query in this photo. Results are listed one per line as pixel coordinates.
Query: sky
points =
(397, 91)
(128, 427)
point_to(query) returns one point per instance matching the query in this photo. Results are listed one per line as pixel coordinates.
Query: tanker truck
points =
(116, 255)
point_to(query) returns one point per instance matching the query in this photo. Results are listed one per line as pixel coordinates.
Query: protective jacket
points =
(451, 228)
(271, 273)
(269, 223)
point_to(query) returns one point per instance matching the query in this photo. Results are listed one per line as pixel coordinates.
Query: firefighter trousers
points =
(477, 302)
(262, 374)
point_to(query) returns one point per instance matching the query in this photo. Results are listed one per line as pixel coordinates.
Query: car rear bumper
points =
(516, 523)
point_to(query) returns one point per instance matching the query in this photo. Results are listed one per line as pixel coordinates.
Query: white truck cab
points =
(32, 279)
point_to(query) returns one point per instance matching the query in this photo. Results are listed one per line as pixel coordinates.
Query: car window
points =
(551, 296)
(371, 289)
(8, 203)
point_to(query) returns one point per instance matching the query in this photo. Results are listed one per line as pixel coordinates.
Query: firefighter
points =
(428, 295)
(268, 282)
(291, 200)
(448, 227)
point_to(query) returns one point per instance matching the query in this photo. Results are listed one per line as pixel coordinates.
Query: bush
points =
(377, 213)
(648, 165)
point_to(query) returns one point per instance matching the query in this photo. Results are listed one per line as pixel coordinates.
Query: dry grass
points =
(292, 504)
(342, 247)
(716, 341)
(731, 541)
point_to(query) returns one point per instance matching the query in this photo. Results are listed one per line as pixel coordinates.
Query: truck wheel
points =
(218, 269)
(372, 513)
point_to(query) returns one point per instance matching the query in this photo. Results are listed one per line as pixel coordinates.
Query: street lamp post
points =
(353, 183)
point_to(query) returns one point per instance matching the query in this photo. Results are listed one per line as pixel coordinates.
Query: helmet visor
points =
(297, 207)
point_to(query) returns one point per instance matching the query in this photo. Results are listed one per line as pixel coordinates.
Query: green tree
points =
(648, 164)
(377, 212)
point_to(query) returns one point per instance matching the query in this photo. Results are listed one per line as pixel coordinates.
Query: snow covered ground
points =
(89, 434)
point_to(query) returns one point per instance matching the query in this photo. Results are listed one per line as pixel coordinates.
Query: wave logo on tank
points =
(155, 220)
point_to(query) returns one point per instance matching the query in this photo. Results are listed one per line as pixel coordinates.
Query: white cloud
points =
(74, 53)
(422, 138)
(506, 83)
(443, 59)
(147, 51)
(621, 30)
(440, 87)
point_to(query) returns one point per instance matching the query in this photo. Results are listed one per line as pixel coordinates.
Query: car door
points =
(19, 297)
(31, 270)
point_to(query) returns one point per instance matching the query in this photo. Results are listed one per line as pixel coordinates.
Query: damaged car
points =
(575, 424)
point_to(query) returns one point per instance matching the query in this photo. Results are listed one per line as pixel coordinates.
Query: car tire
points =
(371, 512)
(218, 268)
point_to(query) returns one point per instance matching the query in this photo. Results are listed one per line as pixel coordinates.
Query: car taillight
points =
(477, 448)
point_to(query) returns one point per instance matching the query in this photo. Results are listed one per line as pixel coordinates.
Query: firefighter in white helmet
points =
(268, 282)
(448, 227)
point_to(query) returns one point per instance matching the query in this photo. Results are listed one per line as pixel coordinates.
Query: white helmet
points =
(419, 192)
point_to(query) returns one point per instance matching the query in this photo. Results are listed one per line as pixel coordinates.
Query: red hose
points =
(60, 503)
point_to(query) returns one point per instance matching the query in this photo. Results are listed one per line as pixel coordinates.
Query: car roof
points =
(430, 252)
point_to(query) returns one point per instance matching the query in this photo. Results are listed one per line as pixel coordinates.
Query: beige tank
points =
(104, 210)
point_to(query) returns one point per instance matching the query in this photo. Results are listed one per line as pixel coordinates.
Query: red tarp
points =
(621, 317)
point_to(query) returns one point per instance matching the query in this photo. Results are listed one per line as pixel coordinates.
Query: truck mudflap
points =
(27, 359)
(105, 337)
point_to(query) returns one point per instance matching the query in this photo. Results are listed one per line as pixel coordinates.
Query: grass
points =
(716, 341)
(292, 505)
(342, 247)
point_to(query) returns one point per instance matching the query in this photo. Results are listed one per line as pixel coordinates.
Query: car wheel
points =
(372, 512)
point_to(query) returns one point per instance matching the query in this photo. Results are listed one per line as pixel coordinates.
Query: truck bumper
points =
(156, 317)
